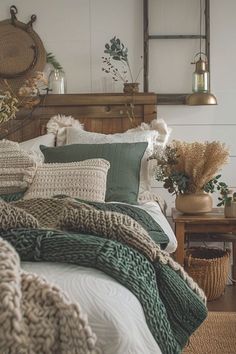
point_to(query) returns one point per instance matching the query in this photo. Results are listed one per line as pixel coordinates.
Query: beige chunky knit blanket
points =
(36, 317)
(68, 214)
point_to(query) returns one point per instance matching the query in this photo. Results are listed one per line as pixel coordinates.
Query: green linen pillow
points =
(125, 160)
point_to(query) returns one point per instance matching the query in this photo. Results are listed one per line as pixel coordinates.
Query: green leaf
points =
(52, 60)
(222, 184)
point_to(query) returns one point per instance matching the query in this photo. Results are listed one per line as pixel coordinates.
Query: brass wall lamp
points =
(201, 81)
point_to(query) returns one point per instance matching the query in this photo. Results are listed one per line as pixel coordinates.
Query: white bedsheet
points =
(114, 313)
(154, 210)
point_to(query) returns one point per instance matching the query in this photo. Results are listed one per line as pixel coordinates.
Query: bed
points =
(116, 314)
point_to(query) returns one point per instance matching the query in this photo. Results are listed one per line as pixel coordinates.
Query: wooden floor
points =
(226, 302)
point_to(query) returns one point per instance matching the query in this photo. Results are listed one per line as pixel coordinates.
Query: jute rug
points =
(217, 335)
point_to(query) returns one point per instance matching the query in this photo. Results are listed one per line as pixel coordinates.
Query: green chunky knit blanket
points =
(173, 311)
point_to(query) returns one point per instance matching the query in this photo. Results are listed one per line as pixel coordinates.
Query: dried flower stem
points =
(188, 167)
(132, 79)
(26, 97)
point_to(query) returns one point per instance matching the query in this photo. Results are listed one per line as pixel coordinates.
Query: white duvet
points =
(114, 313)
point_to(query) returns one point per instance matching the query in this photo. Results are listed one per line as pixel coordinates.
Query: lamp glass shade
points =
(200, 82)
(201, 76)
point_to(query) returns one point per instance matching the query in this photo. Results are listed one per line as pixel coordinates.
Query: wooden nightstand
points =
(211, 226)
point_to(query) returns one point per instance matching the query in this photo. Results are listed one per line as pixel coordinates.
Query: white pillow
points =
(85, 180)
(32, 145)
(152, 137)
(159, 125)
(57, 125)
(17, 167)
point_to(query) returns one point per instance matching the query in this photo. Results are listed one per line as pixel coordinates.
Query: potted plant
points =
(188, 170)
(228, 199)
(116, 63)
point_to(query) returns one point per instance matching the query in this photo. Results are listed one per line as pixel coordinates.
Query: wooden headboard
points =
(103, 113)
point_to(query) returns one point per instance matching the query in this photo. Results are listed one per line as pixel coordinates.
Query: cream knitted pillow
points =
(17, 167)
(85, 180)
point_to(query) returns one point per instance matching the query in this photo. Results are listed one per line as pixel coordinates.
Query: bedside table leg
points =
(180, 236)
(234, 261)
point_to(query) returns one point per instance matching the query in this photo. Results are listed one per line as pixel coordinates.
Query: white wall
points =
(216, 122)
(77, 30)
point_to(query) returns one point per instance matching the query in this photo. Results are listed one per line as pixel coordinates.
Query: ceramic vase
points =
(196, 203)
(230, 210)
(131, 87)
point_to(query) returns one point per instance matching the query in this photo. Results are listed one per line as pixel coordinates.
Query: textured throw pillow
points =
(156, 135)
(125, 160)
(70, 131)
(83, 137)
(85, 180)
(17, 168)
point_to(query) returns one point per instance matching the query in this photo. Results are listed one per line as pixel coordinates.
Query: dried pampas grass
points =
(199, 161)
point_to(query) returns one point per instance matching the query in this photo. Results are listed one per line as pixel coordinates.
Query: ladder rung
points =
(177, 36)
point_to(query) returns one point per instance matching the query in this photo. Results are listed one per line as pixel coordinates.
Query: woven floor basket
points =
(209, 267)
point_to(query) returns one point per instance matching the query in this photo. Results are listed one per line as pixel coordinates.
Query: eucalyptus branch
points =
(117, 52)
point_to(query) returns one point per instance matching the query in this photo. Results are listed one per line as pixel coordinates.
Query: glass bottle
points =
(56, 82)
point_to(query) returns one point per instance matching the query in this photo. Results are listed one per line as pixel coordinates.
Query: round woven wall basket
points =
(209, 267)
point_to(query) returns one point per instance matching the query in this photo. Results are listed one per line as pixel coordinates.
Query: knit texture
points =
(142, 267)
(85, 179)
(12, 217)
(45, 210)
(111, 225)
(120, 228)
(48, 210)
(17, 167)
(172, 310)
(154, 230)
(36, 317)
(65, 213)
